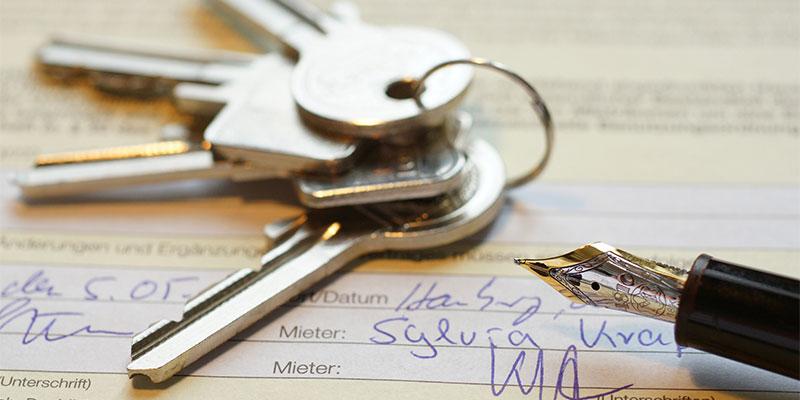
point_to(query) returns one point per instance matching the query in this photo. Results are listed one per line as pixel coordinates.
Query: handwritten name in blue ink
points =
(593, 336)
(527, 377)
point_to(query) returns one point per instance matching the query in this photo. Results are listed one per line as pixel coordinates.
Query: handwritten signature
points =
(46, 325)
(430, 298)
(562, 388)
(41, 324)
(430, 336)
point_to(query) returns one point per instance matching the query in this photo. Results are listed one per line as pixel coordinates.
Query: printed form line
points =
(413, 381)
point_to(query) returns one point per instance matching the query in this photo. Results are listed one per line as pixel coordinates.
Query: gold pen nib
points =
(602, 275)
(534, 265)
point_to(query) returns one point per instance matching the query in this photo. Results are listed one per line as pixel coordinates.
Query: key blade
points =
(293, 24)
(73, 173)
(77, 178)
(166, 148)
(167, 360)
(227, 308)
(135, 69)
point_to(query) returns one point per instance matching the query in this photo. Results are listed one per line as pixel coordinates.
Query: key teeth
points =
(150, 338)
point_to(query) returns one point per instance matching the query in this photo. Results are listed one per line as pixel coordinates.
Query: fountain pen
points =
(723, 308)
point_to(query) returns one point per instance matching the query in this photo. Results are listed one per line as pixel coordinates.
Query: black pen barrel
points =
(743, 314)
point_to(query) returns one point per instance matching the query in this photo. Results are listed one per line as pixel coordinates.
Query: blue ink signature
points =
(569, 366)
(528, 377)
(21, 310)
(490, 300)
(433, 298)
(428, 301)
(400, 329)
(615, 338)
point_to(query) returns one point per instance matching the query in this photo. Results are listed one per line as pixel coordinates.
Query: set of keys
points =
(357, 116)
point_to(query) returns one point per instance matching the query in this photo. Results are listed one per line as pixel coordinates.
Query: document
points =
(459, 321)
(677, 133)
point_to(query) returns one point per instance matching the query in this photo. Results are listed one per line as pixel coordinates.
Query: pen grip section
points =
(742, 314)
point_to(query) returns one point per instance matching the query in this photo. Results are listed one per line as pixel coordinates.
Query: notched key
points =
(258, 135)
(311, 249)
(132, 69)
(346, 68)
(79, 172)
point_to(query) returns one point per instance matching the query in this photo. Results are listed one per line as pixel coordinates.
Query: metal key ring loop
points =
(537, 103)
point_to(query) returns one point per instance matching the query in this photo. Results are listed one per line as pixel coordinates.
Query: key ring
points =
(537, 103)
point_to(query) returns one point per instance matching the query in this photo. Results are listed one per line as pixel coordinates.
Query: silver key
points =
(391, 172)
(206, 79)
(313, 247)
(387, 174)
(260, 126)
(205, 82)
(73, 173)
(123, 166)
(264, 134)
(263, 119)
(207, 100)
(133, 69)
(346, 69)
